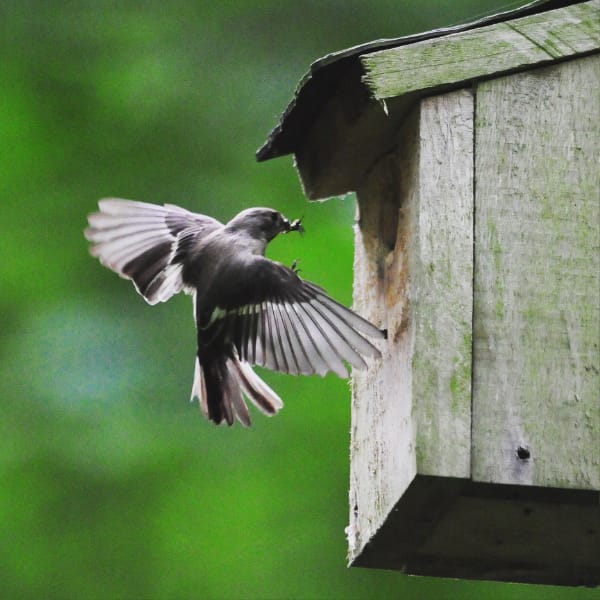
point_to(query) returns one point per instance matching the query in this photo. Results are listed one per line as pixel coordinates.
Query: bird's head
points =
(263, 223)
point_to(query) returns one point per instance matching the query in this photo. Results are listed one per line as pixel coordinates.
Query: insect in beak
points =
(296, 225)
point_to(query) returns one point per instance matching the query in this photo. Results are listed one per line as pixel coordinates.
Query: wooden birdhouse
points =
(474, 153)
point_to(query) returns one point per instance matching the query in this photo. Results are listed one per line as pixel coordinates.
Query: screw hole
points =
(523, 453)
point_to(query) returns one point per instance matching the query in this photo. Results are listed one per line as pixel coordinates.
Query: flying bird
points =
(249, 310)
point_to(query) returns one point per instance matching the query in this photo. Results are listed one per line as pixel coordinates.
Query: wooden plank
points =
(411, 412)
(382, 448)
(441, 288)
(537, 278)
(486, 51)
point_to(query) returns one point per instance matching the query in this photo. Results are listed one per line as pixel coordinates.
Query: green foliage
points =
(113, 485)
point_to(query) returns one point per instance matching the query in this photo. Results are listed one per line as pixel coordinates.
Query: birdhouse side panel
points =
(382, 450)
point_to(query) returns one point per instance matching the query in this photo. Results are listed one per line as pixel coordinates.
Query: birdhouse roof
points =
(379, 73)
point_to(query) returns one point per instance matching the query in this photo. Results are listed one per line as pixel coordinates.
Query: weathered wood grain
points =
(537, 278)
(382, 447)
(440, 247)
(413, 274)
(485, 51)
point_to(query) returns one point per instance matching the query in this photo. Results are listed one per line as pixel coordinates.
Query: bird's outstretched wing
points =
(140, 241)
(278, 320)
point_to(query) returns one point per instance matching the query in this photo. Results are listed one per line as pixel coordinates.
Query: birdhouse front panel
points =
(536, 323)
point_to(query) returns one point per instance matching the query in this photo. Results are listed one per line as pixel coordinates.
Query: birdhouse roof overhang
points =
(348, 107)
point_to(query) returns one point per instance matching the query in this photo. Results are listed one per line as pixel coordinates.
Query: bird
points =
(249, 310)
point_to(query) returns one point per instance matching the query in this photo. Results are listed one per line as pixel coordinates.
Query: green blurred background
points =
(112, 484)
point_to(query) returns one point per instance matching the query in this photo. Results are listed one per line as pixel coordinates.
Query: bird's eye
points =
(274, 217)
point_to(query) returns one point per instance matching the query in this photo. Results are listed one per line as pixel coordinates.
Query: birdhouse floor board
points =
(450, 527)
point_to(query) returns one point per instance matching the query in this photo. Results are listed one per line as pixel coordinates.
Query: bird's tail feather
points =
(256, 389)
(218, 386)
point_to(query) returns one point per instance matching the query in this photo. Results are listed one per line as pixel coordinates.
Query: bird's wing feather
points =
(140, 241)
(279, 321)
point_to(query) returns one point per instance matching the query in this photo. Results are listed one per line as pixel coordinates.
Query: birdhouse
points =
(474, 154)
